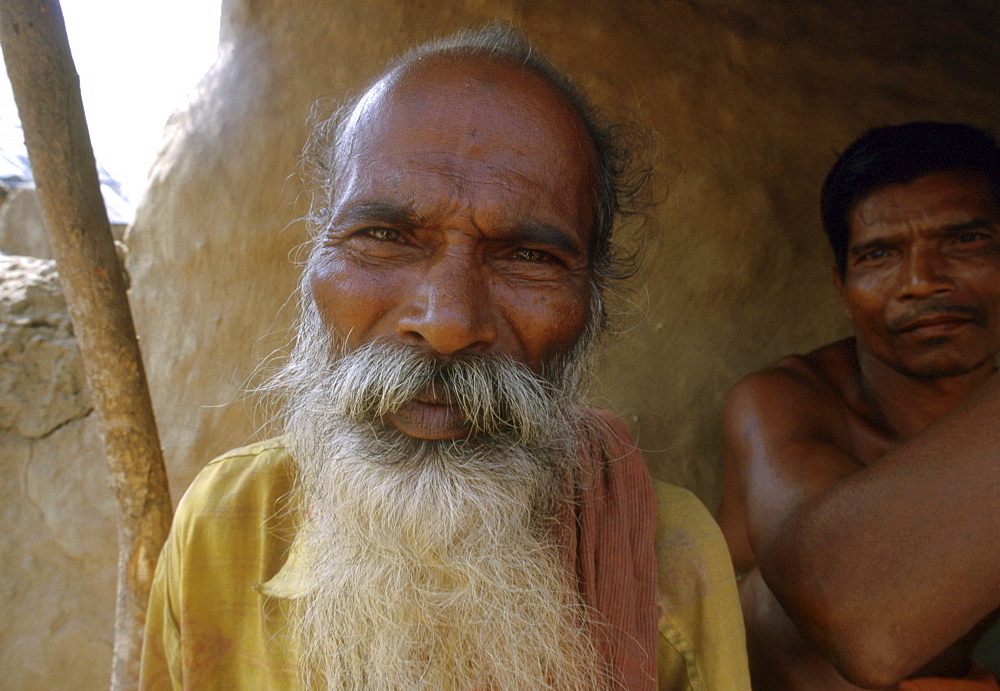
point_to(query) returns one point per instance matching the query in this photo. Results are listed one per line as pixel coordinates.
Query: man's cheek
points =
(349, 298)
(556, 328)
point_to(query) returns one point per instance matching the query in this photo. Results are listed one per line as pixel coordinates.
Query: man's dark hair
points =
(896, 155)
(621, 180)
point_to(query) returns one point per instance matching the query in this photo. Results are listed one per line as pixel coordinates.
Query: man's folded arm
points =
(837, 545)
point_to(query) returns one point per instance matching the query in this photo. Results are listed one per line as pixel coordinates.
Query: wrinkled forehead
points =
(960, 194)
(480, 108)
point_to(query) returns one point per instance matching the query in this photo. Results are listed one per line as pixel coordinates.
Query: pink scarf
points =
(610, 547)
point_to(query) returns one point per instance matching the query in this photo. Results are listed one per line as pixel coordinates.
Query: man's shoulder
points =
(687, 537)
(263, 461)
(244, 482)
(813, 386)
(266, 452)
(831, 368)
(209, 619)
(697, 603)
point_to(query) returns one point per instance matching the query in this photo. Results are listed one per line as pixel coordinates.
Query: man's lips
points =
(430, 416)
(933, 324)
(432, 396)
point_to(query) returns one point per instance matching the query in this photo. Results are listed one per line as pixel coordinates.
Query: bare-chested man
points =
(861, 480)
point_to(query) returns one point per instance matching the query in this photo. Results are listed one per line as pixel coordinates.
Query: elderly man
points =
(861, 480)
(441, 512)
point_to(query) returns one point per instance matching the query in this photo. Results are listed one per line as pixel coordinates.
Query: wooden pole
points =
(47, 92)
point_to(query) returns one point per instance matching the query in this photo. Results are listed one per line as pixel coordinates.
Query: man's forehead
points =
(436, 72)
(367, 103)
(934, 192)
(482, 132)
(479, 96)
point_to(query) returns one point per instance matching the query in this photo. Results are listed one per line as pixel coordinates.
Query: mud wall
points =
(750, 100)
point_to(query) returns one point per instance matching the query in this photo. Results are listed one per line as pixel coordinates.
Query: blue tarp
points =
(15, 171)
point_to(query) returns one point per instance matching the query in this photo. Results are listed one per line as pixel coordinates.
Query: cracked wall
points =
(58, 547)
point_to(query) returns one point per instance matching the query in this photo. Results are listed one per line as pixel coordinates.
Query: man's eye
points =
(971, 236)
(384, 234)
(530, 255)
(874, 255)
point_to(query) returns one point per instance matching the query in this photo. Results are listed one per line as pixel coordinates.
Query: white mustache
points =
(497, 396)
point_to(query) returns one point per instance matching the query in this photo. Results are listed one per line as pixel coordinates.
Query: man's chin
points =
(947, 368)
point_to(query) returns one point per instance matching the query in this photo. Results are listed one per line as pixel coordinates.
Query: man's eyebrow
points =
(952, 229)
(397, 214)
(546, 235)
(974, 224)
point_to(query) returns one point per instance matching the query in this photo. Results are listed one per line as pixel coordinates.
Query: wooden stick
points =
(47, 92)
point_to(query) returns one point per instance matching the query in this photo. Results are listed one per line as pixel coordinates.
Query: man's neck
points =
(905, 405)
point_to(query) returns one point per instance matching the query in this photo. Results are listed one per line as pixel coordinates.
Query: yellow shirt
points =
(217, 612)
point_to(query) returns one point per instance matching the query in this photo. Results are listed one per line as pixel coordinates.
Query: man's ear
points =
(838, 283)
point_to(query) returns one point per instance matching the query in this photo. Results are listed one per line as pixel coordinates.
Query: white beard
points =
(433, 564)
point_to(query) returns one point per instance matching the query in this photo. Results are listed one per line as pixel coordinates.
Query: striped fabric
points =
(611, 543)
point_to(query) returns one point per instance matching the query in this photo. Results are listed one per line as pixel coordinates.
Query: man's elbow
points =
(865, 650)
(867, 657)
(865, 647)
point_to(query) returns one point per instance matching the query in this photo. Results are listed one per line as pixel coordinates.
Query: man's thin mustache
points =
(975, 313)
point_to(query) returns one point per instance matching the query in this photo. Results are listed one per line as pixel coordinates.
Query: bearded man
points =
(441, 511)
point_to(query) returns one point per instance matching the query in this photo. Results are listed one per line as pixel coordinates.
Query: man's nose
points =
(450, 309)
(924, 275)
